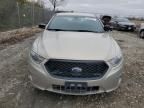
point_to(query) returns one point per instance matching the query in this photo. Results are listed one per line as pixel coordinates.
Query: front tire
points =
(141, 34)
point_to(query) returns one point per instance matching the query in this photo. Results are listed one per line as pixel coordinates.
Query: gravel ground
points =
(13, 36)
(17, 92)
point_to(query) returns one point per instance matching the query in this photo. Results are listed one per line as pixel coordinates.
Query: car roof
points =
(76, 14)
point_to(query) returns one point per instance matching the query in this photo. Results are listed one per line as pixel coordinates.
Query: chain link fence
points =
(14, 14)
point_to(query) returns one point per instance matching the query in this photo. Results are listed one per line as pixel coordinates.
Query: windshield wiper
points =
(72, 30)
(85, 31)
(55, 29)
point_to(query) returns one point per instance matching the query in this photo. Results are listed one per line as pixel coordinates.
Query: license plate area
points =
(76, 87)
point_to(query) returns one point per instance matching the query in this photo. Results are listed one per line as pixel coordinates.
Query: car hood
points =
(126, 23)
(77, 45)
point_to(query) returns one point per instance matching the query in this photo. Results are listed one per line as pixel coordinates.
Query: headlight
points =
(37, 58)
(115, 61)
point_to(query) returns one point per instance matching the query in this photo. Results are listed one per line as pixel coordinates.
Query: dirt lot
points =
(17, 35)
(17, 92)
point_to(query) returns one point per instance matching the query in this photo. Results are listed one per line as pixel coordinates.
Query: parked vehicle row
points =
(123, 24)
(118, 23)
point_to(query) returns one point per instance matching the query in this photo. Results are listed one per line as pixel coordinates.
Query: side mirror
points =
(42, 26)
(108, 28)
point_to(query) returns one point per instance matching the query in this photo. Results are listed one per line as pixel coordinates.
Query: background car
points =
(123, 24)
(141, 31)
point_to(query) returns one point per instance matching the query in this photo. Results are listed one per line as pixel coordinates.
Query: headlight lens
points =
(37, 58)
(115, 61)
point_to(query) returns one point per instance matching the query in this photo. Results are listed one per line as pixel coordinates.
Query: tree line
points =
(23, 13)
(20, 13)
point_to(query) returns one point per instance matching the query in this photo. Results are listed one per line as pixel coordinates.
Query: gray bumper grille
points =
(74, 89)
(76, 69)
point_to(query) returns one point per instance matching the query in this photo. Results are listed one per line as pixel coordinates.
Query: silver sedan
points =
(76, 55)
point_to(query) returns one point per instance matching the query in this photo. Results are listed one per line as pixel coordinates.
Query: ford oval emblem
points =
(77, 69)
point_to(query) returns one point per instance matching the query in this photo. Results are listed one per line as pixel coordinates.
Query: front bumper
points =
(41, 79)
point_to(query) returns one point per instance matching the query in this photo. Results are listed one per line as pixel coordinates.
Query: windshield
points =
(76, 23)
(122, 20)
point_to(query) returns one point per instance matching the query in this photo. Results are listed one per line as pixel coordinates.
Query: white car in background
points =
(75, 55)
(141, 31)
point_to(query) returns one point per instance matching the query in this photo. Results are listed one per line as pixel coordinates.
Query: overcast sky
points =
(118, 7)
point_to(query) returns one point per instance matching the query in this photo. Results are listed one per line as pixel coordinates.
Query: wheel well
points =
(141, 30)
